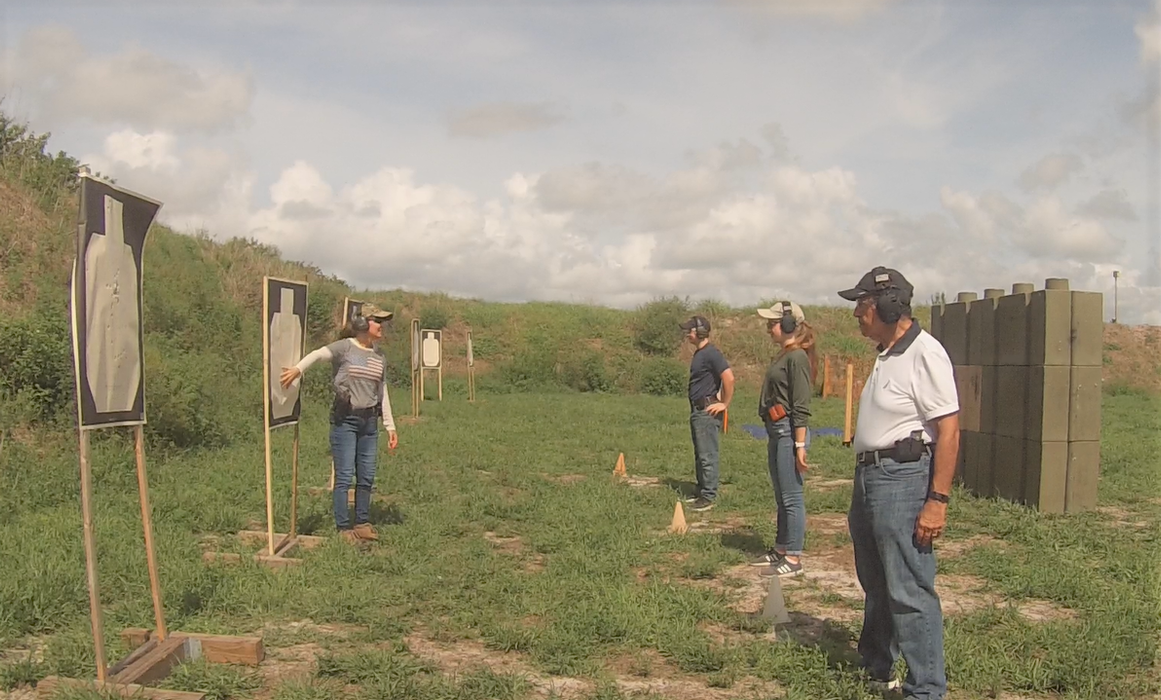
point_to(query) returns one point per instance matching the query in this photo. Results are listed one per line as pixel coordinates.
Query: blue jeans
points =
(705, 428)
(787, 482)
(902, 612)
(354, 446)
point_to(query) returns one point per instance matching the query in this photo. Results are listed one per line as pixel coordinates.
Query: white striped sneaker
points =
(884, 686)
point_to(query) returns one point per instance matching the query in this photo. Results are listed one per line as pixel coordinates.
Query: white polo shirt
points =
(911, 385)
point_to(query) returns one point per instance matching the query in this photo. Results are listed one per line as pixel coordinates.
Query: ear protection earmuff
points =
(888, 303)
(700, 329)
(787, 322)
(360, 324)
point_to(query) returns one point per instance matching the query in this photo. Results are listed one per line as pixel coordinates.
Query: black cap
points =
(877, 280)
(696, 322)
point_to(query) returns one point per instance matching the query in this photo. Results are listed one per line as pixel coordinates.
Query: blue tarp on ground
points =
(759, 431)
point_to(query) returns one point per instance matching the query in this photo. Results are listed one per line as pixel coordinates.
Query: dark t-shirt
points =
(705, 372)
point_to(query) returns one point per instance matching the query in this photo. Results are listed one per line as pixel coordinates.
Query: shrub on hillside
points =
(664, 376)
(530, 368)
(656, 326)
(36, 364)
(434, 317)
(583, 369)
(192, 399)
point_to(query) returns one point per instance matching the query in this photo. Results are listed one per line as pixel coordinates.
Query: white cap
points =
(779, 309)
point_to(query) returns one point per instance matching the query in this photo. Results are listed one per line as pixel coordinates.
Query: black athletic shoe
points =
(701, 504)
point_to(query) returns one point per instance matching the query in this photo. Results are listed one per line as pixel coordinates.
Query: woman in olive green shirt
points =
(784, 407)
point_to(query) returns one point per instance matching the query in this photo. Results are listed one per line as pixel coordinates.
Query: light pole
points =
(1116, 276)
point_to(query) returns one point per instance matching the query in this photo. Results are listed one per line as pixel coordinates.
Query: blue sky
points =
(742, 150)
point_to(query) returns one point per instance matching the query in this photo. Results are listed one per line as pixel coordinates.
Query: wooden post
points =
(294, 487)
(826, 387)
(266, 421)
(147, 525)
(848, 435)
(439, 378)
(91, 558)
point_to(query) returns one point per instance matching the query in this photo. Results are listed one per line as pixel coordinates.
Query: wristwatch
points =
(799, 444)
(935, 496)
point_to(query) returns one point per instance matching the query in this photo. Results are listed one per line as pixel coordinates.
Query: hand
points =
(392, 439)
(715, 408)
(800, 460)
(930, 523)
(289, 374)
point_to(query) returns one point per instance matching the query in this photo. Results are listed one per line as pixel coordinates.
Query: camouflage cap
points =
(369, 310)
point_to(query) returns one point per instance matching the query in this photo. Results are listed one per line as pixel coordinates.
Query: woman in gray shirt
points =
(359, 379)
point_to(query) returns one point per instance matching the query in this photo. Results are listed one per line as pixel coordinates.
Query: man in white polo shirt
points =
(906, 442)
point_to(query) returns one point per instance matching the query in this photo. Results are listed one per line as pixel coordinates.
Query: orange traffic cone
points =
(678, 525)
(619, 470)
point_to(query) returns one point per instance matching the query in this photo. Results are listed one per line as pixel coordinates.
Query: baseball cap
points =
(372, 311)
(876, 280)
(696, 322)
(779, 309)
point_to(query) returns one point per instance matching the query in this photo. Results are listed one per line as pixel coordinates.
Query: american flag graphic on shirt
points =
(365, 366)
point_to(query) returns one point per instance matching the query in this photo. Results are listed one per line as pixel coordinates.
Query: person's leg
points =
(772, 437)
(366, 454)
(706, 428)
(775, 553)
(791, 498)
(695, 435)
(343, 443)
(897, 493)
(791, 511)
(876, 641)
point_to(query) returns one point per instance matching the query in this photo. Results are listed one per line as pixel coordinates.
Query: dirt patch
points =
(569, 478)
(508, 545)
(642, 673)
(957, 548)
(642, 481)
(827, 524)
(829, 590)
(1123, 518)
(827, 484)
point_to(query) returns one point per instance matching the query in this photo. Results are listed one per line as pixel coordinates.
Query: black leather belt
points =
(864, 459)
(704, 402)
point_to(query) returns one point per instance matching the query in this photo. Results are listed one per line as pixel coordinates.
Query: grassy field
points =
(511, 565)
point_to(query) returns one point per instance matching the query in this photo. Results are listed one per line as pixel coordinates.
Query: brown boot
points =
(349, 536)
(364, 531)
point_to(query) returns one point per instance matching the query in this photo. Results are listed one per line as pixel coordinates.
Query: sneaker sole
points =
(702, 509)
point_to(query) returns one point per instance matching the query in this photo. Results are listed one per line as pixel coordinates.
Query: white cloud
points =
(497, 119)
(1108, 204)
(789, 231)
(1050, 171)
(135, 87)
(1148, 31)
(838, 10)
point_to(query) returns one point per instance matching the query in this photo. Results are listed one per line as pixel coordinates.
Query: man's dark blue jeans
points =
(355, 447)
(902, 611)
(705, 429)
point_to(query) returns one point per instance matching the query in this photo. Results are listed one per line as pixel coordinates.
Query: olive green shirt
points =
(788, 383)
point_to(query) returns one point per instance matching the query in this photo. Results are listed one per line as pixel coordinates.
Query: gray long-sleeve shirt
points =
(788, 383)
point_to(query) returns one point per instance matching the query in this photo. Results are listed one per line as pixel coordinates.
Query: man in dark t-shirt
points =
(711, 386)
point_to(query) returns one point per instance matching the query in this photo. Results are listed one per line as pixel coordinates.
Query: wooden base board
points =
(48, 686)
(285, 544)
(152, 660)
